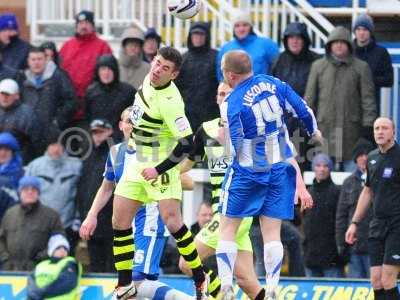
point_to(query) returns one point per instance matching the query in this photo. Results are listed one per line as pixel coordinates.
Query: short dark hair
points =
(36, 50)
(171, 54)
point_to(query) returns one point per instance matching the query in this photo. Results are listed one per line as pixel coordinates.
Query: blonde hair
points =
(237, 62)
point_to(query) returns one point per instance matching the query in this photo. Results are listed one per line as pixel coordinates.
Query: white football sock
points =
(226, 256)
(273, 256)
(156, 290)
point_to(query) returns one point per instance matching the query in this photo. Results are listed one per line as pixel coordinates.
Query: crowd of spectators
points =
(44, 93)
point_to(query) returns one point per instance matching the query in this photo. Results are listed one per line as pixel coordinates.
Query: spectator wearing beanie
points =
(79, 54)
(132, 67)
(107, 96)
(262, 51)
(23, 243)
(57, 276)
(320, 252)
(377, 57)
(351, 189)
(13, 49)
(152, 42)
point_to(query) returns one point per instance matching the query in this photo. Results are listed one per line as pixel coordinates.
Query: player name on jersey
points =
(257, 89)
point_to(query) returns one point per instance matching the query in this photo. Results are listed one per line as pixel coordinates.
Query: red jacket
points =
(78, 59)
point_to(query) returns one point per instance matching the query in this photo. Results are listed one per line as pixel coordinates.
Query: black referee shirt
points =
(383, 177)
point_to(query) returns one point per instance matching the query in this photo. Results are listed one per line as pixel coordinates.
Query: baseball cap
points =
(100, 124)
(9, 86)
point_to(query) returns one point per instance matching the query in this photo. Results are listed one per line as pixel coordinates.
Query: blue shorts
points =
(148, 251)
(243, 196)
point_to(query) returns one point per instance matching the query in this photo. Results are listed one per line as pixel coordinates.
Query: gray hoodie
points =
(132, 68)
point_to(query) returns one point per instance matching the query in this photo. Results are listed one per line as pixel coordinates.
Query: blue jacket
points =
(261, 50)
(11, 172)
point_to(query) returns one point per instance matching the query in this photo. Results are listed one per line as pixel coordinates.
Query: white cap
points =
(9, 86)
(55, 242)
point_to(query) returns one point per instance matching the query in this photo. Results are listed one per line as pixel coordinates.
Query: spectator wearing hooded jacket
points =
(341, 92)
(152, 42)
(197, 80)
(50, 93)
(79, 54)
(13, 49)
(107, 96)
(26, 228)
(294, 63)
(10, 160)
(262, 51)
(19, 119)
(359, 263)
(320, 252)
(293, 66)
(57, 277)
(132, 67)
(59, 174)
(10, 171)
(377, 57)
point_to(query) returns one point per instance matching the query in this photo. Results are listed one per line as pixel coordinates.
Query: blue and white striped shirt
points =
(255, 117)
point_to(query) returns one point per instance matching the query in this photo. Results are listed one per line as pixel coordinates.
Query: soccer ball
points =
(184, 9)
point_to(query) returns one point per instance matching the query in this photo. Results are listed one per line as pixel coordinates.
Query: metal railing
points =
(112, 16)
(395, 98)
(270, 18)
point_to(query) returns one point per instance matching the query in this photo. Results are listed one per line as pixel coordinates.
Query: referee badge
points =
(387, 172)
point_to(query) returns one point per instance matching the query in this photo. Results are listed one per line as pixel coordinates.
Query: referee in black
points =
(382, 188)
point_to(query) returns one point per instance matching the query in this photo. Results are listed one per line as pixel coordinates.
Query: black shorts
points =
(384, 241)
